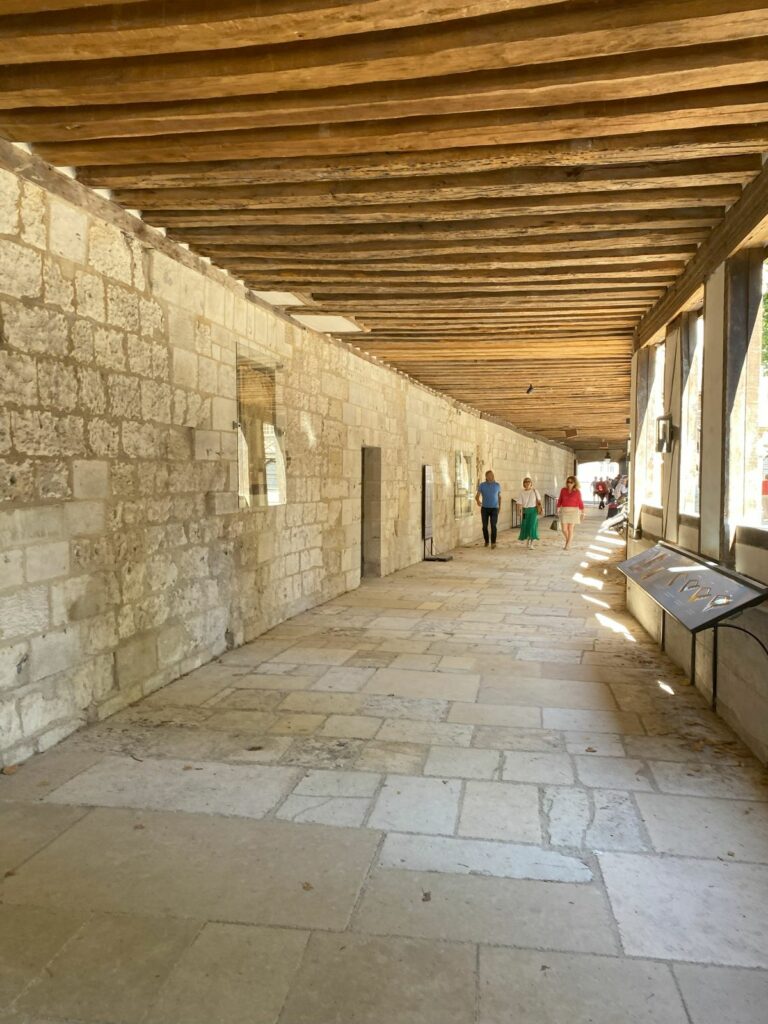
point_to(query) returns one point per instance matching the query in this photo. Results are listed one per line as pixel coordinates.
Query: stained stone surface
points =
(451, 796)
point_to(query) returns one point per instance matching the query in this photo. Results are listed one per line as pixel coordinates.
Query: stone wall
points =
(124, 560)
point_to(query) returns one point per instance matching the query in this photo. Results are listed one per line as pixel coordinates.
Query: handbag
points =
(555, 524)
(539, 506)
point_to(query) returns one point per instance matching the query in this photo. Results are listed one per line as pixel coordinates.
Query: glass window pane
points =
(261, 458)
(690, 432)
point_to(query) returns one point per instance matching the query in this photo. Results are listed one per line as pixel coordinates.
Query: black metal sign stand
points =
(698, 593)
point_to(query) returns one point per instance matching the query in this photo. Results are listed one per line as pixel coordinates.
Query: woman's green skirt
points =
(529, 528)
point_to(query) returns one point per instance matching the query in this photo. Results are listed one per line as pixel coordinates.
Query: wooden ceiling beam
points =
(178, 26)
(567, 31)
(704, 108)
(573, 223)
(659, 145)
(655, 72)
(642, 201)
(534, 181)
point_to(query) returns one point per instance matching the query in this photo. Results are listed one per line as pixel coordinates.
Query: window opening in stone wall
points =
(690, 427)
(650, 405)
(260, 451)
(463, 490)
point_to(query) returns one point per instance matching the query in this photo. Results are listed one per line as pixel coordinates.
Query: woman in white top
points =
(530, 503)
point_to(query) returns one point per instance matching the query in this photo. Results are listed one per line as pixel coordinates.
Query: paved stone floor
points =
(470, 793)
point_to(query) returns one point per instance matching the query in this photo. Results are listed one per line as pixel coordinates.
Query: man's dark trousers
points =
(489, 515)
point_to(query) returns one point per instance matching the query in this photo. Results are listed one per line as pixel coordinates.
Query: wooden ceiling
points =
(497, 191)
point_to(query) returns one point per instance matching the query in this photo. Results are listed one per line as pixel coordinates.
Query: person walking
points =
(570, 506)
(529, 501)
(602, 492)
(488, 498)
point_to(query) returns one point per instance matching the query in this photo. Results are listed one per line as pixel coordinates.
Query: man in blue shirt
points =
(488, 497)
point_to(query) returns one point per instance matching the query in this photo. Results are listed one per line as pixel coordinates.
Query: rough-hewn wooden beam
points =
(746, 104)
(178, 26)
(747, 219)
(657, 72)
(568, 31)
(528, 181)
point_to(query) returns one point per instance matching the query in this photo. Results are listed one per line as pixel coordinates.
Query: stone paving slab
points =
(242, 790)
(201, 866)
(499, 911)
(689, 909)
(549, 988)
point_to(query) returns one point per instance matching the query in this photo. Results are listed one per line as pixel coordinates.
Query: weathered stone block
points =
(90, 479)
(21, 270)
(14, 666)
(68, 228)
(142, 440)
(11, 569)
(42, 708)
(103, 438)
(18, 379)
(58, 385)
(109, 252)
(124, 396)
(207, 444)
(10, 195)
(33, 215)
(10, 724)
(58, 289)
(122, 308)
(89, 291)
(53, 653)
(5, 431)
(85, 517)
(172, 645)
(23, 613)
(184, 368)
(32, 329)
(47, 561)
(109, 348)
(223, 413)
(82, 597)
(156, 401)
(136, 659)
(93, 394)
(93, 681)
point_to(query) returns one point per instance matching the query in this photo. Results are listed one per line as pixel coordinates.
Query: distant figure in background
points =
(488, 497)
(594, 490)
(571, 508)
(602, 492)
(529, 501)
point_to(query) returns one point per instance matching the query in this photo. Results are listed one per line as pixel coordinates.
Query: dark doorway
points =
(370, 513)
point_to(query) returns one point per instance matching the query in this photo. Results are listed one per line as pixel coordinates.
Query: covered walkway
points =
(466, 793)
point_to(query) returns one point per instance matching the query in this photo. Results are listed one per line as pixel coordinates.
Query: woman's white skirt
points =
(570, 516)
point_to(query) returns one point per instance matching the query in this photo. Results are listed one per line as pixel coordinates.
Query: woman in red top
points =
(571, 508)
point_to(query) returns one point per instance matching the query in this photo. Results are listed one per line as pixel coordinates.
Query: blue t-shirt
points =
(490, 493)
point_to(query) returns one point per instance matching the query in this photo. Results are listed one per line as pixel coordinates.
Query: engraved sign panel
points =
(694, 592)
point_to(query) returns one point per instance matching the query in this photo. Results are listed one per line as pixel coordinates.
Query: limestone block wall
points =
(124, 559)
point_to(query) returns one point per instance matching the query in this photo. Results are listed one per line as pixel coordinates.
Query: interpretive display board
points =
(695, 592)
